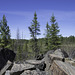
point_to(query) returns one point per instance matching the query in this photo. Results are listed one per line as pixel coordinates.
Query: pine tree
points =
(47, 35)
(19, 53)
(25, 50)
(34, 31)
(4, 33)
(54, 37)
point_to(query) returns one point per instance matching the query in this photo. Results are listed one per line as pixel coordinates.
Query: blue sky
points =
(20, 13)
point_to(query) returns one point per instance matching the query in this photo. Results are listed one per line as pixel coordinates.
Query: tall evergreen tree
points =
(19, 53)
(47, 35)
(34, 31)
(54, 37)
(25, 50)
(4, 33)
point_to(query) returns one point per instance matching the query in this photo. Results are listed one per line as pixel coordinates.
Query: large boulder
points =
(47, 59)
(5, 55)
(62, 68)
(39, 64)
(17, 69)
(61, 53)
(34, 72)
(6, 67)
(72, 54)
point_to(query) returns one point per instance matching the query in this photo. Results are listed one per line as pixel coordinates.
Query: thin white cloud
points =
(20, 13)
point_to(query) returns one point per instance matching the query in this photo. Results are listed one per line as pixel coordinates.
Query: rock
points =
(55, 57)
(41, 66)
(34, 72)
(72, 54)
(5, 55)
(7, 72)
(3, 70)
(71, 61)
(38, 64)
(40, 57)
(47, 59)
(33, 62)
(19, 68)
(58, 55)
(28, 68)
(49, 64)
(62, 68)
(61, 53)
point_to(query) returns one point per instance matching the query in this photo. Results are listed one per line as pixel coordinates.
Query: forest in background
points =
(29, 49)
(25, 51)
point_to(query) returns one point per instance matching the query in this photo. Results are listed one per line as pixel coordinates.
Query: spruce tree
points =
(34, 31)
(25, 50)
(54, 37)
(47, 35)
(4, 33)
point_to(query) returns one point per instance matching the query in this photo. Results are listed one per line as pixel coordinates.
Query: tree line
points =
(33, 47)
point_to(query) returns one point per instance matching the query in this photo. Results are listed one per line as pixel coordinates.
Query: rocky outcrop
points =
(34, 72)
(33, 67)
(61, 64)
(61, 53)
(53, 63)
(72, 54)
(17, 69)
(6, 58)
(3, 70)
(62, 68)
(41, 65)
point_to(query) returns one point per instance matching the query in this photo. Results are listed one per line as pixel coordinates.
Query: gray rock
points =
(72, 54)
(7, 72)
(62, 68)
(34, 72)
(3, 70)
(47, 59)
(41, 66)
(38, 64)
(33, 62)
(19, 68)
(61, 53)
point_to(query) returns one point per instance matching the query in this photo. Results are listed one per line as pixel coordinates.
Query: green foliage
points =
(4, 33)
(54, 37)
(26, 46)
(34, 31)
(35, 27)
(42, 46)
(47, 36)
(25, 50)
(19, 53)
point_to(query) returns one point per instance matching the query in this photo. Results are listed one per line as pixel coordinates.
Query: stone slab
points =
(55, 57)
(62, 68)
(3, 70)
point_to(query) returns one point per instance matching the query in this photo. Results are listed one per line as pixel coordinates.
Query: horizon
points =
(20, 15)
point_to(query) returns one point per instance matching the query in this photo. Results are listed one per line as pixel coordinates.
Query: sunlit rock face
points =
(72, 54)
(61, 53)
